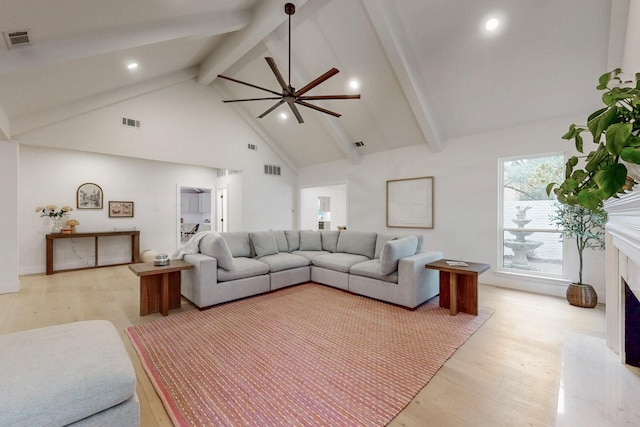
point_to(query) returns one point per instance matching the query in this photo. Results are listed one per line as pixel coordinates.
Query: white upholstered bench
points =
(75, 374)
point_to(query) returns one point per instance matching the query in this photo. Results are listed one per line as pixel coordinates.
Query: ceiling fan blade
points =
(279, 103)
(315, 107)
(252, 99)
(332, 72)
(311, 98)
(274, 68)
(249, 84)
(296, 113)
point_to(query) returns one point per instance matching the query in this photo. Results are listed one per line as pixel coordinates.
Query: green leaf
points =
(550, 187)
(598, 124)
(617, 135)
(630, 154)
(595, 114)
(595, 158)
(610, 179)
(607, 77)
(589, 199)
(633, 141)
(579, 143)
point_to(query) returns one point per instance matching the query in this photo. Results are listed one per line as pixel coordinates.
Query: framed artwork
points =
(89, 196)
(410, 203)
(120, 209)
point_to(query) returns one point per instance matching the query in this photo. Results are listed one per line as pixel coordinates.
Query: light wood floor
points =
(506, 374)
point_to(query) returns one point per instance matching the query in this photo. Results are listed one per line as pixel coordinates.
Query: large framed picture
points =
(89, 196)
(120, 209)
(410, 203)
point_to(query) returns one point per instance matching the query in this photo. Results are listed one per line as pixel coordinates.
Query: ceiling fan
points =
(289, 94)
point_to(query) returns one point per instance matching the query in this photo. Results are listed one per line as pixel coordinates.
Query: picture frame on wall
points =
(89, 196)
(410, 203)
(120, 209)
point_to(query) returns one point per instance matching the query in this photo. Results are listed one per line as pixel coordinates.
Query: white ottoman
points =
(78, 373)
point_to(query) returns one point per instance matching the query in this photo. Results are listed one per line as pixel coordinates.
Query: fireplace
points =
(623, 277)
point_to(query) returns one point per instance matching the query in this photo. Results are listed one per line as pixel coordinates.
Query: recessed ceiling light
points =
(132, 66)
(354, 84)
(284, 116)
(491, 24)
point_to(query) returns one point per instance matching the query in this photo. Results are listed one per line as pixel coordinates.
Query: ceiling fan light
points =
(354, 84)
(284, 116)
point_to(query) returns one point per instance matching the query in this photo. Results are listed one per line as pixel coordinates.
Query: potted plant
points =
(615, 129)
(586, 226)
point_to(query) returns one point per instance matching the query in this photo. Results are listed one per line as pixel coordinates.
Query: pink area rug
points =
(307, 355)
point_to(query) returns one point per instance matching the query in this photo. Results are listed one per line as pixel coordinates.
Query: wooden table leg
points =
(164, 294)
(453, 294)
(49, 256)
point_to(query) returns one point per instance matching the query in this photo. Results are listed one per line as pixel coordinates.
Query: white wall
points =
(52, 176)
(465, 192)
(9, 236)
(186, 123)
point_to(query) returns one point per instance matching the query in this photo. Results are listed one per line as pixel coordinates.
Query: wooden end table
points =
(459, 285)
(159, 286)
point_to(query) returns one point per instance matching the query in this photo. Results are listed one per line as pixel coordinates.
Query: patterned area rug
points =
(307, 355)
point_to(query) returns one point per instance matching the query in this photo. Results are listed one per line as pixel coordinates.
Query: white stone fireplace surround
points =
(622, 264)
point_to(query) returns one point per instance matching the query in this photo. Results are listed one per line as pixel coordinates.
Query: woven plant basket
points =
(582, 295)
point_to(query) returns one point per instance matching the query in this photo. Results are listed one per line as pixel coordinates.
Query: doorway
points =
(195, 211)
(323, 208)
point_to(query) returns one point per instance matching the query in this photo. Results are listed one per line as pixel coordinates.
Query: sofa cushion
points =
(284, 261)
(244, 267)
(384, 238)
(264, 243)
(394, 250)
(330, 240)
(309, 254)
(357, 243)
(58, 375)
(339, 261)
(239, 243)
(310, 240)
(293, 239)
(281, 240)
(215, 246)
(371, 268)
(381, 239)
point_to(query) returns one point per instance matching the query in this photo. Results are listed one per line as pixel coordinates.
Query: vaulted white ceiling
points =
(428, 69)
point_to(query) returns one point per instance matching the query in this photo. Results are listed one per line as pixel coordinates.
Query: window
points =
(529, 243)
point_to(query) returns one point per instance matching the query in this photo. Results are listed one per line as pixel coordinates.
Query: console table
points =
(135, 247)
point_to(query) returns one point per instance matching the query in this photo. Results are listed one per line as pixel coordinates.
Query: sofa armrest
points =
(412, 274)
(197, 283)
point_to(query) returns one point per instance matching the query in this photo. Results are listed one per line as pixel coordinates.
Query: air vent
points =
(358, 144)
(253, 147)
(17, 39)
(225, 172)
(130, 122)
(272, 170)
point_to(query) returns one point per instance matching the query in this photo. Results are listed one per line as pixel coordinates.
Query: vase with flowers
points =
(57, 216)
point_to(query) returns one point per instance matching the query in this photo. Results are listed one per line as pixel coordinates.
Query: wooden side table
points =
(159, 286)
(459, 285)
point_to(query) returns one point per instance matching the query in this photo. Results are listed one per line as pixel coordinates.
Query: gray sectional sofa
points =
(233, 265)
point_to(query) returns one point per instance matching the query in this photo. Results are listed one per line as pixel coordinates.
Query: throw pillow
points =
(281, 241)
(330, 240)
(216, 247)
(310, 240)
(264, 243)
(293, 239)
(380, 241)
(394, 250)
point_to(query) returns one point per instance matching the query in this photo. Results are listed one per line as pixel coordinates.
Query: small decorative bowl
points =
(161, 259)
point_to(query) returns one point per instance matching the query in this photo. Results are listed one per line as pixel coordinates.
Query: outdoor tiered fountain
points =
(520, 245)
